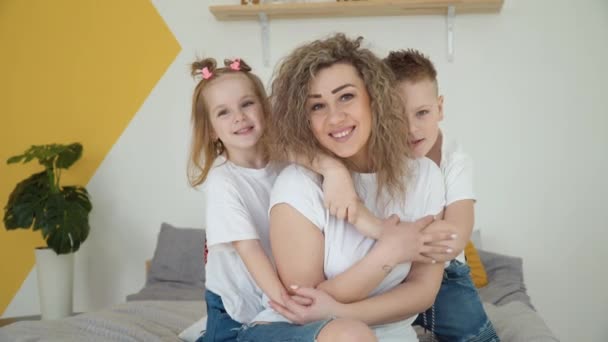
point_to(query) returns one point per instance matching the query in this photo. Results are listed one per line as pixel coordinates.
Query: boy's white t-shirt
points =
(236, 209)
(457, 170)
(344, 245)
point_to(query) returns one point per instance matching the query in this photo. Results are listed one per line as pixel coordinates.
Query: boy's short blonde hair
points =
(411, 65)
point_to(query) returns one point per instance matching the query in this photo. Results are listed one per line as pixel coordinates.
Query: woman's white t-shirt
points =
(344, 245)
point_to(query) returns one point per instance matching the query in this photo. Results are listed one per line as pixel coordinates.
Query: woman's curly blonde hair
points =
(204, 150)
(289, 125)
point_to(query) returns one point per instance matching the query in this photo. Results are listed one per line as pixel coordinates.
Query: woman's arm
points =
(406, 300)
(411, 297)
(298, 249)
(403, 242)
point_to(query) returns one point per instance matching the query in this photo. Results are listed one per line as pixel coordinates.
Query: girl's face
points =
(340, 112)
(235, 112)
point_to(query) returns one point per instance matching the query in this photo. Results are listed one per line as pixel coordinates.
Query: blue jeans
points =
(458, 314)
(281, 332)
(220, 326)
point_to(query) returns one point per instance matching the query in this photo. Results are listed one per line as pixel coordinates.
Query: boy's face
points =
(424, 110)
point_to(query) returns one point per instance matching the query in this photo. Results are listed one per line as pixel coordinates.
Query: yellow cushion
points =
(478, 272)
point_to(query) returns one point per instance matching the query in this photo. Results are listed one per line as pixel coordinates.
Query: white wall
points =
(524, 95)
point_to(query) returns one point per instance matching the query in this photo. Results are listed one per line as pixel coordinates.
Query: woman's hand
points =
(410, 242)
(304, 301)
(322, 306)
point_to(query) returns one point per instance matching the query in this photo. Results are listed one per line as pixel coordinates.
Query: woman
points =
(333, 97)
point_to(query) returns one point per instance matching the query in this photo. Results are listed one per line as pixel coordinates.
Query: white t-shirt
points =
(236, 209)
(344, 245)
(457, 169)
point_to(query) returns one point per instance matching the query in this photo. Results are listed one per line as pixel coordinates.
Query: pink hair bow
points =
(205, 73)
(236, 65)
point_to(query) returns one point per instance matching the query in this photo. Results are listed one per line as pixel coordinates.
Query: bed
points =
(171, 301)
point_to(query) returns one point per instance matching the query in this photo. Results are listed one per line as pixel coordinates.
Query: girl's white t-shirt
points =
(236, 209)
(344, 245)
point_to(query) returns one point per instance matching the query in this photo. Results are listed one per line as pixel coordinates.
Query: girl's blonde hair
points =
(289, 126)
(204, 150)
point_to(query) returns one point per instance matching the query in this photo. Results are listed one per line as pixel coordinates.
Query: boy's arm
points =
(459, 213)
(459, 217)
(261, 269)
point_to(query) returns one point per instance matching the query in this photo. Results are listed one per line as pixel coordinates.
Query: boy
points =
(457, 314)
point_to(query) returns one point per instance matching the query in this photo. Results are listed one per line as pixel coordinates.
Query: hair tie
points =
(205, 73)
(236, 65)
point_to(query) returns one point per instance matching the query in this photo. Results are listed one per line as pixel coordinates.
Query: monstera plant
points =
(39, 202)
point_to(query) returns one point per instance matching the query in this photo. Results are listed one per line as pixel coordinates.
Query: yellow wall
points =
(70, 70)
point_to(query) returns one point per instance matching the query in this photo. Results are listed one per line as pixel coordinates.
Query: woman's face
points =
(340, 112)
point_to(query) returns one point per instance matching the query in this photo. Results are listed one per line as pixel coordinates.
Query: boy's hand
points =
(453, 246)
(410, 242)
(322, 306)
(339, 194)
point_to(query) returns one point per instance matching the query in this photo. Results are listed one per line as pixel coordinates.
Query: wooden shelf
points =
(300, 10)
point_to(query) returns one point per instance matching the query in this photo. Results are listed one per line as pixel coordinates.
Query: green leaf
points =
(49, 155)
(15, 159)
(26, 200)
(28, 158)
(68, 155)
(67, 220)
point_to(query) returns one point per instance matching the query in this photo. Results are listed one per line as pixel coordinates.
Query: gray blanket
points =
(135, 321)
(164, 320)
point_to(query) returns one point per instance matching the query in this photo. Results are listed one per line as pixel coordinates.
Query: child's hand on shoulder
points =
(339, 195)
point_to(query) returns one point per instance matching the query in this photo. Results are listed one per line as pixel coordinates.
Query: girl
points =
(333, 97)
(228, 114)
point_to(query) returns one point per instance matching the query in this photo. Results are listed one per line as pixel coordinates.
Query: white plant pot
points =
(55, 283)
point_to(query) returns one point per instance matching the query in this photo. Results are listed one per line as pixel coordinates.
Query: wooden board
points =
(301, 10)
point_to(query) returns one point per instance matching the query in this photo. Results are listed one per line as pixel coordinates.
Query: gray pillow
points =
(178, 257)
(168, 291)
(505, 279)
(516, 321)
